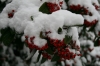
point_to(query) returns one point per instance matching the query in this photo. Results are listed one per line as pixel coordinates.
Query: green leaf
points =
(59, 30)
(18, 43)
(38, 58)
(7, 36)
(49, 51)
(7, 39)
(58, 63)
(43, 60)
(31, 18)
(55, 58)
(92, 28)
(67, 39)
(1, 48)
(44, 8)
(96, 43)
(4, 31)
(41, 35)
(66, 1)
(29, 57)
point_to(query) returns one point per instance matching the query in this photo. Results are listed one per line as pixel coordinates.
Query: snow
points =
(39, 42)
(89, 58)
(91, 35)
(23, 38)
(48, 63)
(96, 51)
(20, 61)
(11, 54)
(5, 64)
(3, 23)
(4, 49)
(95, 1)
(25, 50)
(69, 62)
(87, 42)
(2, 0)
(22, 23)
(88, 5)
(97, 63)
(64, 5)
(7, 1)
(55, 35)
(84, 59)
(97, 28)
(78, 61)
(90, 18)
(46, 22)
(73, 31)
(69, 18)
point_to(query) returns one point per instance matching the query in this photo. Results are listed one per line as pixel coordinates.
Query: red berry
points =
(32, 45)
(53, 7)
(10, 15)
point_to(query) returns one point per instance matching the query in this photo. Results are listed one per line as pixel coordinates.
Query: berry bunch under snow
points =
(60, 32)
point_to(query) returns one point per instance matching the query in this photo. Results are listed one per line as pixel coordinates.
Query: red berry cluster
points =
(98, 56)
(79, 54)
(74, 46)
(62, 49)
(75, 7)
(47, 32)
(78, 9)
(33, 46)
(90, 49)
(60, 3)
(57, 47)
(96, 6)
(10, 15)
(53, 7)
(46, 55)
(66, 54)
(57, 43)
(88, 24)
